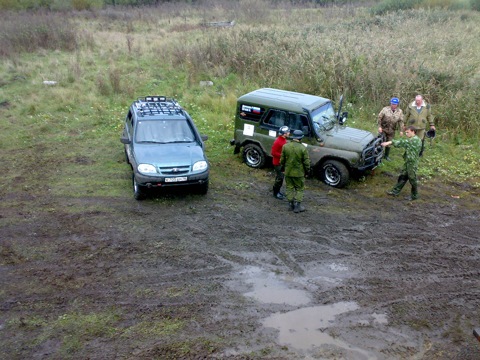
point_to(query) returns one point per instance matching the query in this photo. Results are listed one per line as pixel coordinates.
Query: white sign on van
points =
(272, 133)
(248, 129)
(251, 109)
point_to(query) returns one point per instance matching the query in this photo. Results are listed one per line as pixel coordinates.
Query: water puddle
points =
(306, 328)
(380, 318)
(269, 288)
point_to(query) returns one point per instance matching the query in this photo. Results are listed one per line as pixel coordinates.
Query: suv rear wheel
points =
(254, 156)
(138, 191)
(335, 174)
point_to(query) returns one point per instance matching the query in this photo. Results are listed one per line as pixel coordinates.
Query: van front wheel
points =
(254, 156)
(335, 174)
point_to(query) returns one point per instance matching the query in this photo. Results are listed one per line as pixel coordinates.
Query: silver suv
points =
(163, 146)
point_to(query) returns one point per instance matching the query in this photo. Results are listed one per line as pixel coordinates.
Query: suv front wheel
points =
(138, 191)
(254, 156)
(335, 174)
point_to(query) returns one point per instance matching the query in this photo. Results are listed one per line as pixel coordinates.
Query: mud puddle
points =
(306, 327)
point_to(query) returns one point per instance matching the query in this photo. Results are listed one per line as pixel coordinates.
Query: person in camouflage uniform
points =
(412, 145)
(418, 114)
(390, 118)
(296, 162)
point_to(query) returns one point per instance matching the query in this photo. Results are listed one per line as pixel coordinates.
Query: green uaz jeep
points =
(335, 150)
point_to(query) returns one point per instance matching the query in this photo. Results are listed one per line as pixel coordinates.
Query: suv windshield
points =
(164, 131)
(323, 118)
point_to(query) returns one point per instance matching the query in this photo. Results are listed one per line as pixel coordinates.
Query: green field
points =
(102, 60)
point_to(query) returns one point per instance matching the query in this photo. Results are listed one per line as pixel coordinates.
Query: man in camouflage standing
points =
(389, 119)
(296, 161)
(412, 146)
(418, 114)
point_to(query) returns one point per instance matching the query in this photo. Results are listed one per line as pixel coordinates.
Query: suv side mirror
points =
(343, 118)
(125, 140)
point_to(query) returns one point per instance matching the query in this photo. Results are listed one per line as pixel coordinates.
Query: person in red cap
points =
(390, 118)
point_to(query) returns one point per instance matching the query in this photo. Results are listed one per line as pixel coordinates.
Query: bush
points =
(86, 4)
(28, 32)
(394, 5)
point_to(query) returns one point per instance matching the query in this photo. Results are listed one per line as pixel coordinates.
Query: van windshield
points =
(324, 118)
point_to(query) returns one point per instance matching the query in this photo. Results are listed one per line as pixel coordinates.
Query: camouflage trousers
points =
(409, 173)
(295, 187)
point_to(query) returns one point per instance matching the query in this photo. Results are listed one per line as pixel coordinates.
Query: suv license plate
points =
(176, 179)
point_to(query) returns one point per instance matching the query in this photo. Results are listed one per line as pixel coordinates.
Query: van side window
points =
(298, 122)
(250, 112)
(275, 118)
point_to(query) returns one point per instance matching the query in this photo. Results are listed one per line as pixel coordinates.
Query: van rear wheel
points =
(335, 174)
(254, 156)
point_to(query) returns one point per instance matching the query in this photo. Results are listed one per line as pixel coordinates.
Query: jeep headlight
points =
(200, 165)
(146, 169)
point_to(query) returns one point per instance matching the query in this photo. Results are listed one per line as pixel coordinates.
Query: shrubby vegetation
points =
(26, 32)
(104, 58)
(380, 6)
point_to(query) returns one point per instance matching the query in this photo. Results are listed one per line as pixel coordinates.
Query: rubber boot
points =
(277, 194)
(414, 193)
(291, 206)
(402, 180)
(387, 152)
(298, 207)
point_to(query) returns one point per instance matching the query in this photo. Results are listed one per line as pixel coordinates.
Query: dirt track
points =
(234, 275)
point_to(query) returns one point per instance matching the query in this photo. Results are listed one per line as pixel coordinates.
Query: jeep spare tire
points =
(254, 156)
(335, 173)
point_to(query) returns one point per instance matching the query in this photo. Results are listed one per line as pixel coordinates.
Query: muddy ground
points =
(234, 275)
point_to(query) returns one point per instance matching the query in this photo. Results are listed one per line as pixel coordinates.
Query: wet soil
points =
(234, 275)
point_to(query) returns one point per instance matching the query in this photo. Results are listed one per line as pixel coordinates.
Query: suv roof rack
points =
(157, 105)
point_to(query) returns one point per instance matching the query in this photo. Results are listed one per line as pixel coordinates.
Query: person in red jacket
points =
(276, 152)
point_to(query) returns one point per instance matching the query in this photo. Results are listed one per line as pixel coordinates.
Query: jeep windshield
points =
(323, 118)
(164, 131)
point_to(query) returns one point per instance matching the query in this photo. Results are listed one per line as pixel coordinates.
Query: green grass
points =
(65, 138)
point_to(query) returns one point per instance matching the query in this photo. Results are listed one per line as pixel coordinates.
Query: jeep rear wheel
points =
(254, 156)
(335, 174)
(138, 191)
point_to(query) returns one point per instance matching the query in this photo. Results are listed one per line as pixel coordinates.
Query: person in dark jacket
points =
(296, 161)
(276, 152)
(419, 115)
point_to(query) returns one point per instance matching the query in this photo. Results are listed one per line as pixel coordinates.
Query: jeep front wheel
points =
(254, 156)
(335, 174)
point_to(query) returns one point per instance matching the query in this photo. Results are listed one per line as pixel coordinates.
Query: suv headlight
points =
(200, 165)
(146, 169)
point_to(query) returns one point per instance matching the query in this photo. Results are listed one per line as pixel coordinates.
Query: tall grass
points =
(368, 58)
(118, 54)
(28, 32)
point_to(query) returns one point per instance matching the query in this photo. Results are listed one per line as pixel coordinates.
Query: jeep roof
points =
(282, 99)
